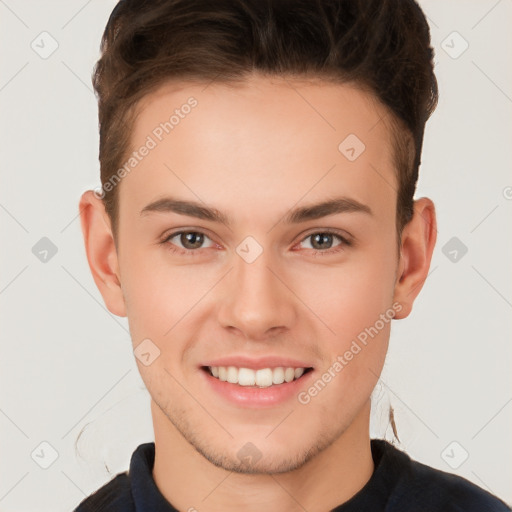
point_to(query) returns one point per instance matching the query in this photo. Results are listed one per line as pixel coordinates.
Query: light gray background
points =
(67, 364)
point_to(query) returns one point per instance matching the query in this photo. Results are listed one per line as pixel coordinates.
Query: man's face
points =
(259, 291)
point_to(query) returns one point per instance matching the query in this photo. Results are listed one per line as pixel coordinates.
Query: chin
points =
(262, 453)
(250, 460)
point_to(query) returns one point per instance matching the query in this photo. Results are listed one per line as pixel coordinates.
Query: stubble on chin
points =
(245, 457)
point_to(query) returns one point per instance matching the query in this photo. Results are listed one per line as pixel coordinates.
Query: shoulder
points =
(421, 487)
(121, 492)
(114, 496)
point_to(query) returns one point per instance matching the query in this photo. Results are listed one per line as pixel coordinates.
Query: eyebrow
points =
(295, 216)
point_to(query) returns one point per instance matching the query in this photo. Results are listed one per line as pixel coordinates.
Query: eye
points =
(324, 242)
(186, 241)
(189, 242)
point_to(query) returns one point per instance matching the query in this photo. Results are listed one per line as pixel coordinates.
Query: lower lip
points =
(246, 396)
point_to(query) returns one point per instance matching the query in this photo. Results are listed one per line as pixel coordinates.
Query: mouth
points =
(261, 378)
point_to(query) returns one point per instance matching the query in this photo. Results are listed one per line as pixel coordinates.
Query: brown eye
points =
(191, 240)
(321, 241)
(187, 241)
(326, 242)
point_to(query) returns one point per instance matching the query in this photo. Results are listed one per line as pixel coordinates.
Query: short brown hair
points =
(380, 45)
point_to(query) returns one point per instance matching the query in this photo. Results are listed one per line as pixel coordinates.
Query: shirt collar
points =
(146, 495)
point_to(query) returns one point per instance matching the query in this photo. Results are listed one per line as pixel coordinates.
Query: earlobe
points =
(101, 251)
(418, 242)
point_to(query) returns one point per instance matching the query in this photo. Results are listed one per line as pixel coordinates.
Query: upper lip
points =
(257, 363)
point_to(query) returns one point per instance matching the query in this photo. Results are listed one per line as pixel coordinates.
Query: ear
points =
(418, 242)
(101, 251)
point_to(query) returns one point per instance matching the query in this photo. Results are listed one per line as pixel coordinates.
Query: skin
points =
(254, 152)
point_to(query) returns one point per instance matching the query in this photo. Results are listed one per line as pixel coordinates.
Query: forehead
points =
(263, 141)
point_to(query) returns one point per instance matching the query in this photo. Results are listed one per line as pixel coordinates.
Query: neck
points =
(188, 481)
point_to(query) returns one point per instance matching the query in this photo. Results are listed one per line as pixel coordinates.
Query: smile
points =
(262, 378)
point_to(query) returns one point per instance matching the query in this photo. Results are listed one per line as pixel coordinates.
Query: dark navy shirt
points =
(398, 484)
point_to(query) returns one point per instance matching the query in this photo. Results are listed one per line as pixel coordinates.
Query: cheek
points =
(162, 298)
(159, 301)
(352, 296)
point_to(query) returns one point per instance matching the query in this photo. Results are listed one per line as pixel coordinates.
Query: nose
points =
(256, 301)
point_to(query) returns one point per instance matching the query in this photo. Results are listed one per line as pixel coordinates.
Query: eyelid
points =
(344, 235)
(177, 231)
(341, 233)
(171, 234)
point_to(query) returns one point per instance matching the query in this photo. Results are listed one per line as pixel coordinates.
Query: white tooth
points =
(232, 375)
(278, 375)
(246, 377)
(298, 372)
(264, 377)
(289, 374)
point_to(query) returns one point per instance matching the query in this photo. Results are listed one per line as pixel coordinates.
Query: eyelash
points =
(193, 252)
